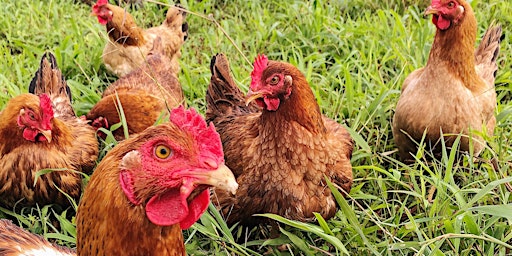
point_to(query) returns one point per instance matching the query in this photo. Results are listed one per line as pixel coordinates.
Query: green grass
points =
(355, 55)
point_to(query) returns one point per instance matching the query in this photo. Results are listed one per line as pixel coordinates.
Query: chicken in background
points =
(39, 130)
(279, 146)
(143, 193)
(129, 44)
(145, 95)
(454, 93)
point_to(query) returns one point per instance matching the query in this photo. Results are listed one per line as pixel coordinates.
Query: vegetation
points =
(356, 55)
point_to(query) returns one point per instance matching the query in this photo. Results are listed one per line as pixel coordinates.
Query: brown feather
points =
(279, 158)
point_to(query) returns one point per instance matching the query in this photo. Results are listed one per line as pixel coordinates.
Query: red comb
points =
(260, 64)
(207, 137)
(436, 2)
(45, 103)
(100, 3)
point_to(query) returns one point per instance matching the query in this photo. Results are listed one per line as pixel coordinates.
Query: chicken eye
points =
(163, 152)
(31, 116)
(274, 80)
(451, 4)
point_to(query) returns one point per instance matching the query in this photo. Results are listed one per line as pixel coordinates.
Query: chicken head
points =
(101, 10)
(269, 86)
(171, 174)
(445, 13)
(36, 121)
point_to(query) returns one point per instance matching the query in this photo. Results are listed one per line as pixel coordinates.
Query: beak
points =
(252, 96)
(221, 178)
(430, 10)
(47, 134)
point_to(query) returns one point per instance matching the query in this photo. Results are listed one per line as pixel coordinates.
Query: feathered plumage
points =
(280, 154)
(41, 131)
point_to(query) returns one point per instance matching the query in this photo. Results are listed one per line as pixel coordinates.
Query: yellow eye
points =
(451, 4)
(162, 151)
(274, 80)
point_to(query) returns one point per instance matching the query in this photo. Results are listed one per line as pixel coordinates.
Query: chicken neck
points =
(454, 48)
(300, 107)
(122, 28)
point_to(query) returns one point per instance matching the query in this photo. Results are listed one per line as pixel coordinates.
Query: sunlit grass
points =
(355, 54)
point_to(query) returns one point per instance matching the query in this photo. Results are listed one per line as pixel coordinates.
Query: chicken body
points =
(40, 131)
(145, 95)
(129, 44)
(144, 191)
(454, 93)
(280, 157)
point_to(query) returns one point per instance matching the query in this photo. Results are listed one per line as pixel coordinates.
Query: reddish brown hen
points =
(282, 150)
(129, 44)
(145, 94)
(454, 92)
(144, 192)
(40, 131)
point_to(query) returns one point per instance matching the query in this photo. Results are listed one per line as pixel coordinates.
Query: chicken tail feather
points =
(487, 53)
(49, 79)
(223, 96)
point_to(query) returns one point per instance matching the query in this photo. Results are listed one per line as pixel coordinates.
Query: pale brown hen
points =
(41, 131)
(454, 92)
(280, 154)
(145, 94)
(143, 193)
(129, 44)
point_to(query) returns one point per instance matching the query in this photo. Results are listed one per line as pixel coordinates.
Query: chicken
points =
(145, 94)
(40, 131)
(129, 44)
(146, 189)
(454, 93)
(280, 154)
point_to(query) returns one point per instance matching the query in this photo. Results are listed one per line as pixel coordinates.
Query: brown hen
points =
(143, 193)
(280, 154)
(145, 95)
(454, 93)
(129, 44)
(40, 131)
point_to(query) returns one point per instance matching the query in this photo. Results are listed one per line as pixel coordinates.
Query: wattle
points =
(171, 208)
(31, 134)
(272, 104)
(440, 22)
(102, 21)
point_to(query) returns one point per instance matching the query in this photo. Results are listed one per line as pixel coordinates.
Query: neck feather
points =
(300, 107)
(123, 29)
(454, 48)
